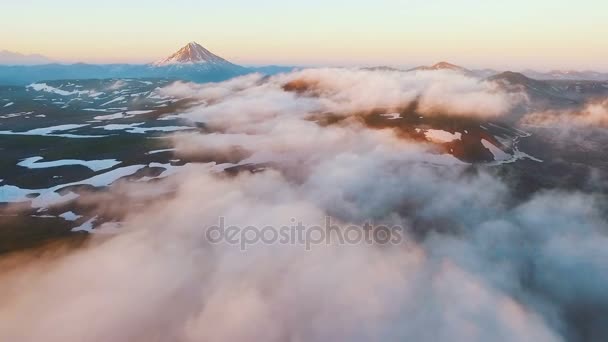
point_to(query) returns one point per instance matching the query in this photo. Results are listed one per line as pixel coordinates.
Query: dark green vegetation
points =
(89, 106)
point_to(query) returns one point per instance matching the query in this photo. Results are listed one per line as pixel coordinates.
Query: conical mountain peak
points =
(192, 53)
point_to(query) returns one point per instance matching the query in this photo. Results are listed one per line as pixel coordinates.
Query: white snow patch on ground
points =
(441, 136)
(86, 227)
(104, 109)
(134, 128)
(160, 129)
(50, 131)
(49, 89)
(47, 130)
(120, 98)
(107, 178)
(47, 199)
(119, 127)
(11, 194)
(138, 112)
(70, 216)
(110, 116)
(499, 155)
(50, 196)
(122, 115)
(169, 170)
(160, 151)
(14, 115)
(521, 155)
(94, 165)
(170, 117)
(392, 116)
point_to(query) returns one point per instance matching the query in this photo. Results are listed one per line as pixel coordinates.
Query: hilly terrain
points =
(190, 63)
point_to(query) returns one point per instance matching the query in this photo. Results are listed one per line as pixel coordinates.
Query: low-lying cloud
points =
(592, 114)
(476, 264)
(344, 92)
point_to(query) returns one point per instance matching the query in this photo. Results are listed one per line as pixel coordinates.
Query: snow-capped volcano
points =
(192, 53)
(195, 63)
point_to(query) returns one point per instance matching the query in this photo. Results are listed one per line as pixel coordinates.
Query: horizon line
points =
(402, 67)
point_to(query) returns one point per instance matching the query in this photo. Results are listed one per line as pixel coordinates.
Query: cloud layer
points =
(477, 264)
(592, 114)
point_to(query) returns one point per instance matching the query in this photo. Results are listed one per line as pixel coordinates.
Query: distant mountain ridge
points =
(190, 63)
(551, 92)
(15, 58)
(543, 90)
(441, 66)
(193, 62)
(570, 75)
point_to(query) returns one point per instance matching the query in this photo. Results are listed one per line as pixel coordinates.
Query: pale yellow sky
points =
(541, 34)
